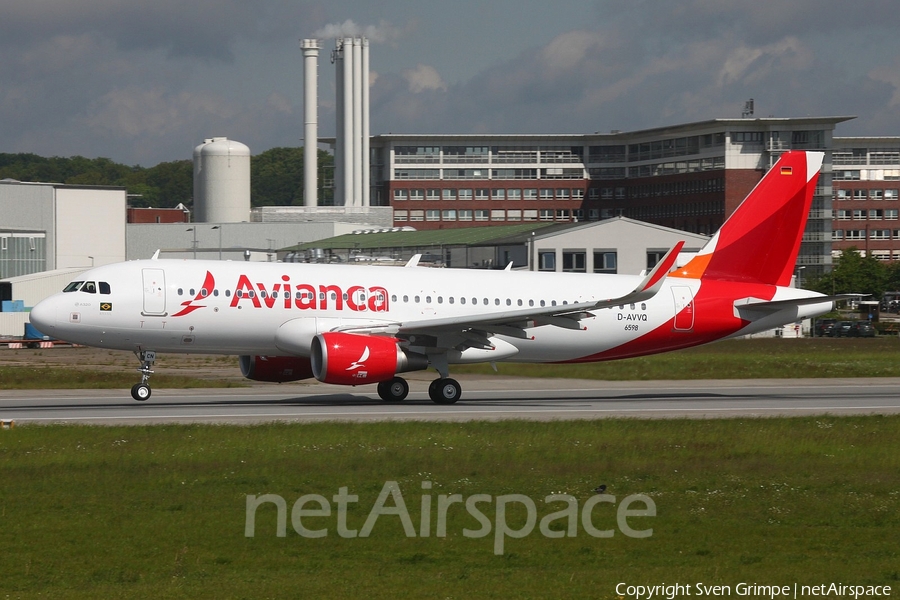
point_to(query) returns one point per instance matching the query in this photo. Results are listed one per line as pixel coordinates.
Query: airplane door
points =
(154, 291)
(684, 308)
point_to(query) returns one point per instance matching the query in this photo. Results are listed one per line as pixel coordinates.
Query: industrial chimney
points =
(310, 121)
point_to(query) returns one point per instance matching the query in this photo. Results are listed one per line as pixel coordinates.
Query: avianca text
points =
(306, 296)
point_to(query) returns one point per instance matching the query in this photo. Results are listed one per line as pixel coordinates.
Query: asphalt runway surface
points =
(483, 399)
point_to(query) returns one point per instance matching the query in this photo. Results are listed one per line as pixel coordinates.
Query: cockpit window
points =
(90, 287)
(104, 287)
(73, 287)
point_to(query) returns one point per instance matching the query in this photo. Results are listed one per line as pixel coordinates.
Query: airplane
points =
(355, 325)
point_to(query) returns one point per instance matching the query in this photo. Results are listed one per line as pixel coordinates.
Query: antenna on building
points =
(748, 109)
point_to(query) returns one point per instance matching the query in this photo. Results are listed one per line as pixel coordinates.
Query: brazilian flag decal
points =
(105, 306)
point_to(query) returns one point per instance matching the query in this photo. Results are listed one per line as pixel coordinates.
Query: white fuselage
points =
(203, 306)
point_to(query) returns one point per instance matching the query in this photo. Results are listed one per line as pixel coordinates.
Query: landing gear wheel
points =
(444, 391)
(140, 391)
(393, 390)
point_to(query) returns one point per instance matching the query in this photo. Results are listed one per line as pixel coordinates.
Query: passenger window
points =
(104, 287)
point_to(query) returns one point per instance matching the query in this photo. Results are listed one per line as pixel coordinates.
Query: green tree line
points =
(276, 177)
(853, 273)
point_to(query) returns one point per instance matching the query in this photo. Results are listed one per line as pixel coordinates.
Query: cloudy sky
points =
(145, 82)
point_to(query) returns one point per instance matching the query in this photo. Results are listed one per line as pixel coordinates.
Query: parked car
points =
(862, 329)
(842, 329)
(824, 327)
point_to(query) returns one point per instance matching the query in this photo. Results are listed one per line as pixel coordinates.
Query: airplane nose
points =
(43, 315)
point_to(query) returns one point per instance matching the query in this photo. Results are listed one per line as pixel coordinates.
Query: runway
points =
(490, 398)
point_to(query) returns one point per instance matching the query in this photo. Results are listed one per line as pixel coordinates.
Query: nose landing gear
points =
(141, 391)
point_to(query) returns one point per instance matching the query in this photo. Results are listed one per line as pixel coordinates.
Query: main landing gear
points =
(442, 391)
(141, 391)
(393, 390)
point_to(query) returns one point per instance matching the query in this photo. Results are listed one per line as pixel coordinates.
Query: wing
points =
(474, 330)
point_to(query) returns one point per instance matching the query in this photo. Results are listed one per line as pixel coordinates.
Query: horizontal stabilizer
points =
(776, 305)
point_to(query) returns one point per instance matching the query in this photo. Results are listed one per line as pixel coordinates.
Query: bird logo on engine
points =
(360, 363)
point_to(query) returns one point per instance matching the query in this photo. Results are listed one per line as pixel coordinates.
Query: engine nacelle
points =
(277, 369)
(355, 359)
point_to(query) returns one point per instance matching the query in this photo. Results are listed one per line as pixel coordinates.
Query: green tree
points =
(853, 273)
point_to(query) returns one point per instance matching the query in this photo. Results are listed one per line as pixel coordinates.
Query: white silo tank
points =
(221, 181)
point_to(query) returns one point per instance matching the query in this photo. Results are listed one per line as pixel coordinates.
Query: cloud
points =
(384, 32)
(423, 78)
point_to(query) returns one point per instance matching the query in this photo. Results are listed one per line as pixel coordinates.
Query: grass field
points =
(159, 512)
(735, 359)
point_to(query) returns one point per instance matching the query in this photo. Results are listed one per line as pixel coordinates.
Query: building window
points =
(843, 215)
(465, 215)
(546, 194)
(530, 215)
(498, 194)
(449, 195)
(593, 214)
(514, 194)
(547, 260)
(482, 194)
(399, 195)
(837, 234)
(465, 194)
(605, 261)
(481, 215)
(514, 215)
(880, 234)
(562, 194)
(417, 215)
(653, 257)
(843, 194)
(432, 215)
(574, 261)
(416, 194)
(563, 214)
(498, 215)
(860, 195)
(546, 214)
(531, 194)
(417, 174)
(876, 215)
(859, 215)
(855, 234)
(890, 214)
(876, 194)
(890, 194)
(448, 215)
(433, 195)
(400, 215)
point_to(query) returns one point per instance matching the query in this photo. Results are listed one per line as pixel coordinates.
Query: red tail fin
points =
(759, 242)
